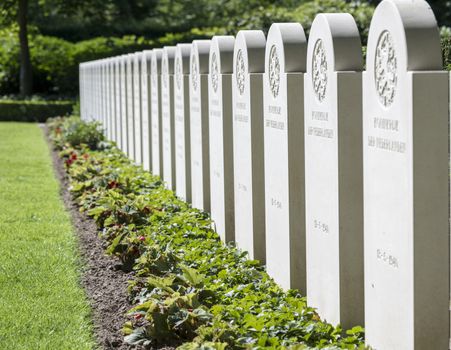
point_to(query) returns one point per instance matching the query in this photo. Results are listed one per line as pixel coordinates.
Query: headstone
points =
(112, 100)
(285, 57)
(157, 156)
(137, 106)
(124, 101)
(200, 167)
(167, 115)
(221, 136)
(406, 223)
(117, 93)
(334, 170)
(182, 122)
(130, 107)
(248, 161)
(146, 109)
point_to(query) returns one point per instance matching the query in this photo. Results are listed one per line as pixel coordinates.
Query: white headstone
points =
(137, 106)
(157, 156)
(221, 136)
(285, 57)
(248, 161)
(182, 122)
(167, 115)
(406, 223)
(124, 101)
(130, 107)
(146, 109)
(117, 93)
(200, 167)
(334, 170)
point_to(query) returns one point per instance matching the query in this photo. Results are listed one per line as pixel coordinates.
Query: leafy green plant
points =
(188, 286)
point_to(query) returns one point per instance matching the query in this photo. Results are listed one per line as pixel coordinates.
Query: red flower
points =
(85, 155)
(137, 316)
(142, 238)
(112, 184)
(73, 156)
(69, 162)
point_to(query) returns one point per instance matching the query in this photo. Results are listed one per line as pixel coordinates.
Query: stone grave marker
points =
(167, 115)
(200, 165)
(182, 122)
(137, 107)
(146, 109)
(155, 86)
(117, 92)
(130, 107)
(285, 57)
(124, 100)
(334, 170)
(221, 136)
(248, 158)
(406, 223)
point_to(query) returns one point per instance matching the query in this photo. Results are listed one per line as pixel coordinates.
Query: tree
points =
(16, 11)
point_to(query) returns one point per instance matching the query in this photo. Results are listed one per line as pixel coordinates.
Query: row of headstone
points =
(336, 178)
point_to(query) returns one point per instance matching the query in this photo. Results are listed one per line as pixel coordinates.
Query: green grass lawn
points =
(42, 305)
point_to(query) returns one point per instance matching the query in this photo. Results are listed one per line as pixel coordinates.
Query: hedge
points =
(33, 111)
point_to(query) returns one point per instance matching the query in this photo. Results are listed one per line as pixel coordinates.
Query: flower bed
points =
(189, 287)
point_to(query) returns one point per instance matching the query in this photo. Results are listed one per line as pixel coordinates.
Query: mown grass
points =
(42, 305)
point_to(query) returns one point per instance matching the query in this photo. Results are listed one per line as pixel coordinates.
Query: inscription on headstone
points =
(406, 222)
(248, 159)
(221, 136)
(200, 165)
(334, 170)
(284, 156)
(182, 122)
(167, 115)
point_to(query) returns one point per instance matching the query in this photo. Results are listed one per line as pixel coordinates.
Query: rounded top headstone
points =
(407, 31)
(182, 57)
(221, 54)
(167, 64)
(156, 61)
(249, 52)
(200, 52)
(286, 48)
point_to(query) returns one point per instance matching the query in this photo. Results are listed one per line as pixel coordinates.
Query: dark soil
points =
(104, 281)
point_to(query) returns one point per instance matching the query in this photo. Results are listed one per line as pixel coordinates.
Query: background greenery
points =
(64, 33)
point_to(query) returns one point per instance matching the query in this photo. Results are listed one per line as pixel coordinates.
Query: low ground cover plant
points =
(189, 288)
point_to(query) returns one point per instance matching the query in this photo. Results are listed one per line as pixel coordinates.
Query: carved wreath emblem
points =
(178, 72)
(319, 70)
(385, 67)
(194, 73)
(240, 71)
(165, 73)
(274, 71)
(214, 72)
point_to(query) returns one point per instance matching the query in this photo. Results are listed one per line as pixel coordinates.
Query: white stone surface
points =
(406, 223)
(200, 167)
(334, 170)
(167, 115)
(247, 86)
(146, 109)
(182, 122)
(137, 107)
(285, 57)
(221, 136)
(117, 93)
(124, 101)
(157, 156)
(130, 107)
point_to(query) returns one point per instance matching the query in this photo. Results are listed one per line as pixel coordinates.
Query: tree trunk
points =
(26, 77)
